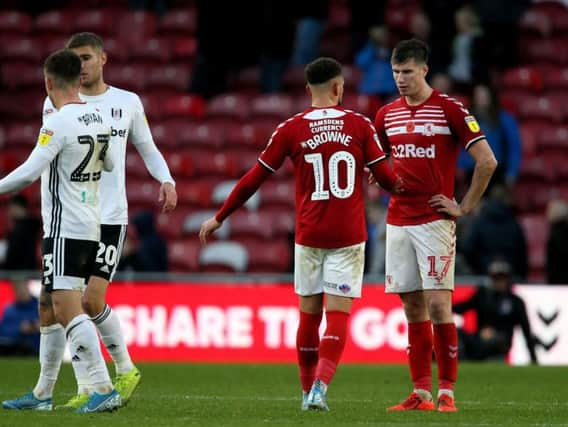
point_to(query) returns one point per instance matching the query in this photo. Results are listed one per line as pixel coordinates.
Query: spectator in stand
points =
(495, 232)
(23, 237)
(151, 252)
(467, 65)
(498, 312)
(308, 31)
(19, 325)
(374, 62)
(556, 246)
(503, 135)
(421, 29)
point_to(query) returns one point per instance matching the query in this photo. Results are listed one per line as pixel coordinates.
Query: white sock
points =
(85, 346)
(84, 385)
(424, 394)
(51, 349)
(108, 324)
(446, 391)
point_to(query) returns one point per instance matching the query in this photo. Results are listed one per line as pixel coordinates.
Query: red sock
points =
(420, 354)
(307, 346)
(446, 349)
(332, 344)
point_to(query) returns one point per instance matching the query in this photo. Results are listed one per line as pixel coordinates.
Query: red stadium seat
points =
(3, 132)
(205, 136)
(215, 164)
(152, 50)
(174, 77)
(512, 100)
(55, 22)
(223, 189)
(21, 49)
(186, 106)
(246, 224)
(18, 76)
(138, 25)
(545, 51)
(536, 233)
(179, 162)
(537, 169)
(126, 76)
(553, 137)
(282, 220)
(269, 257)
(170, 224)
(143, 192)
(196, 193)
(277, 106)
(278, 193)
(560, 21)
(339, 17)
(101, 22)
(294, 80)
(13, 22)
(522, 78)
(166, 136)
(184, 49)
(542, 108)
(193, 221)
(247, 81)
(116, 49)
(229, 106)
(11, 159)
(23, 135)
(153, 105)
(529, 138)
(556, 78)
(536, 22)
(178, 22)
(246, 159)
(23, 105)
(183, 255)
(223, 256)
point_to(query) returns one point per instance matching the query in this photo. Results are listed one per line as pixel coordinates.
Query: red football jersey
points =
(424, 142)
(329, 148)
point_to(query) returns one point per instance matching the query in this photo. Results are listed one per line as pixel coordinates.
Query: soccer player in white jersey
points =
(127, 120)
(70, 151)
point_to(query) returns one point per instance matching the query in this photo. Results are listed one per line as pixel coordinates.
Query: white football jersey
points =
(127, 118)
(78, 136)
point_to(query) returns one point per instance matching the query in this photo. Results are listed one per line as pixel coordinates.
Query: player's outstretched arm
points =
(245, 188)
(383, 175)
(27, 172)
(485, 165)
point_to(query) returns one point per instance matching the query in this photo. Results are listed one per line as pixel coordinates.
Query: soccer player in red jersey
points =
(330, 148)
(422, 131)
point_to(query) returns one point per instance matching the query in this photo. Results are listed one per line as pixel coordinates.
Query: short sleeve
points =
(380, 129)
(463, 124)
(372, 149)
(140, 129)
(277, 149)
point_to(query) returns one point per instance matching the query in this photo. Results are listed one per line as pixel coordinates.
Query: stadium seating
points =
(178, 22)
(183, 255)
(223, 256)
(13, 22)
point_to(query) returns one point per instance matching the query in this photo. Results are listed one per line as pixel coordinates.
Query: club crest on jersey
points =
(116, 113)
(472, 124)
(428, 129)
(410, 127)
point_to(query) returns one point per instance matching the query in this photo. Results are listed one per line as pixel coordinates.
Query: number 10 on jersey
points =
(316, 159)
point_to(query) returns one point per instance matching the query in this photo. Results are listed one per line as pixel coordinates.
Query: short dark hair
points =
(322, 70)
(85, 39)
(410, 49)
(64, 66)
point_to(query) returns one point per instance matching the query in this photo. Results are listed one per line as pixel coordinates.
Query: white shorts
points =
(420, 257)
(332, 271)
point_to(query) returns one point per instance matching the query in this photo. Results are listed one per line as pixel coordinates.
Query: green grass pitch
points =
(268, 395)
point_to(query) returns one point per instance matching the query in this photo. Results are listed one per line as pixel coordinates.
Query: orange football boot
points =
(414, 403)
(446, 404)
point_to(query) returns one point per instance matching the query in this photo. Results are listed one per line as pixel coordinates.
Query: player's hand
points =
(207, 228)
(168, 197)
(371, 179)
(398, 186)
(445, 205)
